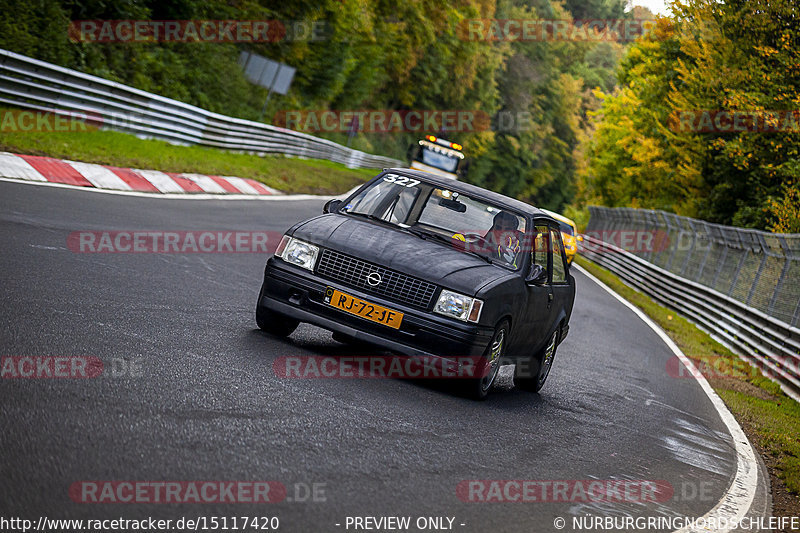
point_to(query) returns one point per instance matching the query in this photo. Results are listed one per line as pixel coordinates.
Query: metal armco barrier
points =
(757, 268)
(706, 251)
(32, 84)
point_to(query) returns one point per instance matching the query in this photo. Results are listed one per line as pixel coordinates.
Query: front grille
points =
(394, 285)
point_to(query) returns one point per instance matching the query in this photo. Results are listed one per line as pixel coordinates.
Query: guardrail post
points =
(764, 248)
(672, 230)
(720, 264)
(709, 247)
(796, 317)
(787, 261)
(645, 254)
(689, 252)
(738, 269)
(617, 220)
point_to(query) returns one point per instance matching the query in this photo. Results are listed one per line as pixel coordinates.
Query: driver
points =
(504, 237)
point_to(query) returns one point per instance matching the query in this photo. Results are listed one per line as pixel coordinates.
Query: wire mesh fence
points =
(757, 268)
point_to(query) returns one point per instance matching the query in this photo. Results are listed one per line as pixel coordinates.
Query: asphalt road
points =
(207, 405)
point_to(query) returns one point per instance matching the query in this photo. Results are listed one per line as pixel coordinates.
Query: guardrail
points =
(763, 340)
(757, 268)
(32, 84)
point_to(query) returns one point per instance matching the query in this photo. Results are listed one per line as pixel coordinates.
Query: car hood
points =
(401, 251)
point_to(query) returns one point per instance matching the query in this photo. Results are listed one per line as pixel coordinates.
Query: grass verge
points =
(291, 175)
(769, 417)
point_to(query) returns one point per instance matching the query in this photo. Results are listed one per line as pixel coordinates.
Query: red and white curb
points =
(74, 173)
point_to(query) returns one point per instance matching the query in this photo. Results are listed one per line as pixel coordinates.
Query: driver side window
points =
(559, 268)
(541, 247)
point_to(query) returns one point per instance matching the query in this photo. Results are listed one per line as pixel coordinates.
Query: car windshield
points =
(566, 228)
(469, 224)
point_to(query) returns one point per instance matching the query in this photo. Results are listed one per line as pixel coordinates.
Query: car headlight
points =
(297, 252)
(458, 306)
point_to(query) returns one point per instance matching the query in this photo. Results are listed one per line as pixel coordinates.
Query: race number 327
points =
(400, 180)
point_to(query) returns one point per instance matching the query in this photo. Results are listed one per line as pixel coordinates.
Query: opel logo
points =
(374, 279)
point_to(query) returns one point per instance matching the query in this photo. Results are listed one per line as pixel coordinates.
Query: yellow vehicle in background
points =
(569, 234)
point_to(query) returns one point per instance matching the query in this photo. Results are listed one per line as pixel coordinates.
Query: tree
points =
(737, 56)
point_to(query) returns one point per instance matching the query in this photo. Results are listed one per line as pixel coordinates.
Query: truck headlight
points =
(458, 306)
(298, 252)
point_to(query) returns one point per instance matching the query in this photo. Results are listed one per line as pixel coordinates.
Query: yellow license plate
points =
(359, 307)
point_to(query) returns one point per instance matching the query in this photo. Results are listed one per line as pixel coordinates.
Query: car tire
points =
(275, 323)
(478, 388)
(538, 368)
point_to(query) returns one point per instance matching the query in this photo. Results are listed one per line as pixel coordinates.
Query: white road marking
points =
(205, 183)
(160, 181)
(736, 502)
(12, 166)
(99, 175)
(183, 196)
(240, 184)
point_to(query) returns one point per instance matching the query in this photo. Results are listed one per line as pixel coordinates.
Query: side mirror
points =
(331, 206)
(537, 275)
(580, 237)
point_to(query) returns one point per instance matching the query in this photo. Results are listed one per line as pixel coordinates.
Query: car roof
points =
(473, 190)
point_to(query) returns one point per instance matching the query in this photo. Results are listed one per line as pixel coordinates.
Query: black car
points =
(427, 266)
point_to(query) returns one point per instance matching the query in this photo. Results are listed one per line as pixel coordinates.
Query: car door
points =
(538, 312)
(562, 283)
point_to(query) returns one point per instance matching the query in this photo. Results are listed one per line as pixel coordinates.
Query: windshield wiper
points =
(476, 254)
(423, 234)
(370, 216)
(441, 238)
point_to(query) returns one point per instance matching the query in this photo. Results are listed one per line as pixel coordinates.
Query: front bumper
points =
(298, 293)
